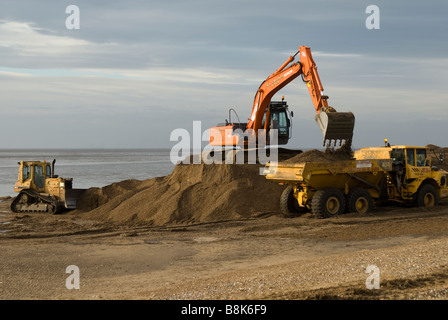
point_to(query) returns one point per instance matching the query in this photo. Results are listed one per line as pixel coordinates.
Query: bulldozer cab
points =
(32, 175)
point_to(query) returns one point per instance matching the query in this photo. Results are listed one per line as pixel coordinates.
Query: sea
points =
(88, 167)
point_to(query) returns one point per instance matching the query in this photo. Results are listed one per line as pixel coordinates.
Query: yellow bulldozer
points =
(40, 190)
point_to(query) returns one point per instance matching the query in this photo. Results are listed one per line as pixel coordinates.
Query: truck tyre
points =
(427, 196)
(288, 203)
(327, 203)
(360, 201)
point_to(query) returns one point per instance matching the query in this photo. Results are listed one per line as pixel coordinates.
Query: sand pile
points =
(193, 193)
(318, 156)
(439, 156)
(190, 194)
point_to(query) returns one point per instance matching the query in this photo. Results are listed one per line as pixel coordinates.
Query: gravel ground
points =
(269, 257)
(402, 269)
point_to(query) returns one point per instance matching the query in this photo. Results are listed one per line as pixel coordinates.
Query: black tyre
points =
(360, 201)
(427, 196)
(327, 203)
(288, 203)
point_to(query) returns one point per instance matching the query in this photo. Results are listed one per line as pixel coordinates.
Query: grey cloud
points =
(162, 64)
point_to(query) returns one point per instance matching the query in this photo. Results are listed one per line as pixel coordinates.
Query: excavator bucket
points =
(72, 196)
(336, 126)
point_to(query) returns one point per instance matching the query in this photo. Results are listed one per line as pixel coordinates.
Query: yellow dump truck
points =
(375, 175)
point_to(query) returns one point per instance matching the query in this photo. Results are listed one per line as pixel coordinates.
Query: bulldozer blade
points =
(336, 126)
(72, 196)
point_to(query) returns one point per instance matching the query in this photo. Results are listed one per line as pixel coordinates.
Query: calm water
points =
(88, 168)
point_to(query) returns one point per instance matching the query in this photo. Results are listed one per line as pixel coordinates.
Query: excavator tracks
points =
(30, 201)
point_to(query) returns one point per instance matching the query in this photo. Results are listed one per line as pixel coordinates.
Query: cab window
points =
(263, 121)
(421, 157)
(48, 171)
(410, 156)
(282, 123)
(38, 176)
(397, 155)
(26, 174)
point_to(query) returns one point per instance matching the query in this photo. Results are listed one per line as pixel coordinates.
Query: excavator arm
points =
(334, 125)
(269, 88)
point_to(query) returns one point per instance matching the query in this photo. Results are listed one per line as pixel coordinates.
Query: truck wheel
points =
(427, 196)
(327, 203)
(360, 201)
(288, 203)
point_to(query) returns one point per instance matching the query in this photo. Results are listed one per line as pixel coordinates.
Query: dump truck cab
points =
(411, 172)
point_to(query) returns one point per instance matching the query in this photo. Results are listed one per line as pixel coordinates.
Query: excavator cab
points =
(279, 117)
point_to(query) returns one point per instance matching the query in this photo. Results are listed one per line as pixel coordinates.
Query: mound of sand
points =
(190, 194)
(319, 156)
(193, 193)
(439, 156)
(433, 146)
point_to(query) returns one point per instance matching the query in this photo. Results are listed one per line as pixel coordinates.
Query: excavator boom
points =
(335, 126)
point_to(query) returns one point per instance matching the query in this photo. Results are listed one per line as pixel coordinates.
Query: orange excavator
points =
(267, 114)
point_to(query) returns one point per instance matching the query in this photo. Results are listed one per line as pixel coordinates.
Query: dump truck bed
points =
(329, 173)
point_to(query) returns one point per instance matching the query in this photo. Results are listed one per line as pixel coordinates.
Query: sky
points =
(135, 71)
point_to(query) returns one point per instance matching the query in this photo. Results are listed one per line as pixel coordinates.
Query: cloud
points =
(26, 40)
(24, 45)
(160, 65)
